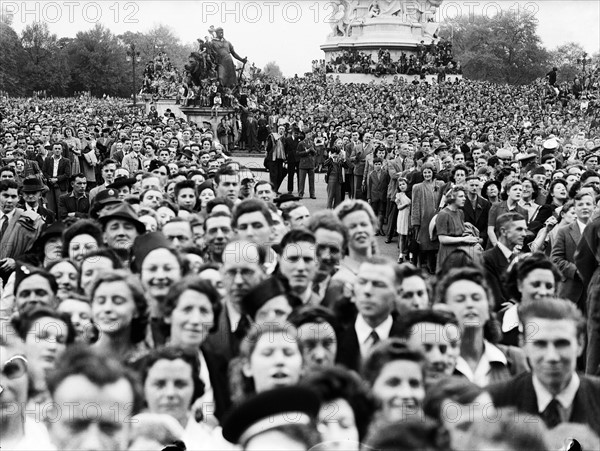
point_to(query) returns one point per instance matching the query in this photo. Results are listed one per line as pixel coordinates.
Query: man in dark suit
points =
(511, 229)
(476, 208)
(57, 171)
(563, 251)
(291, 146)
(275, 157)
(375, 291)
(554, 337)
(31, 199)
(242, 270)
(77, 203)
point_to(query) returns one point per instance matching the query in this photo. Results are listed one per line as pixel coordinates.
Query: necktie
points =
(242, 328)
(551, 415)
(374, 338)
(4, 226)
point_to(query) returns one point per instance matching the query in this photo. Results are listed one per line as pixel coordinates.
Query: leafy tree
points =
(504, 48)
(98, 63)
(273, 70)
(44, 66)
(564, 57)
(11, 60)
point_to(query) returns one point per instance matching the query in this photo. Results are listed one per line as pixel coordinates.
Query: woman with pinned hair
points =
(171, 382)
(120, 313)
(346, 407)
(271, 301)
(270, 357)
(450, 225)
(396, 377)
(190, 311)
(358, 218)
(532, 278)
(465, 292)
(159, 267)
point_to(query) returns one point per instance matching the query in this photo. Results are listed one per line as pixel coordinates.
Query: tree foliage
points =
(44, 65)
(504, 48)
(11, 56)
(93, 60)
(273, 70)
(564, 57)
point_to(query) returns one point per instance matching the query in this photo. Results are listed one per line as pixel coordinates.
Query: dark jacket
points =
(67, 203)
(217, 370)
(478, 216)
(64, 173)
(563, 256)
(349, 349)
(495, 265)
(306, 154)
(48, 216)
(519, 392)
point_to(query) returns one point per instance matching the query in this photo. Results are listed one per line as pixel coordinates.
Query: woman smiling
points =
(191, 310)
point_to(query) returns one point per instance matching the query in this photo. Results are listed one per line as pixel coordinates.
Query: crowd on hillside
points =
(156, 294)
(435, 58)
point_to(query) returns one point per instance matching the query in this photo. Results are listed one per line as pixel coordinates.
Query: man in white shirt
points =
(554, 337)
(375, 290)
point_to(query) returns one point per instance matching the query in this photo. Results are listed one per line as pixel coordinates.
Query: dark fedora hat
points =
(32, 185)
(123, 211)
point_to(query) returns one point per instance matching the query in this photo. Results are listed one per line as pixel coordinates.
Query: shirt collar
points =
(505, 251)
(9, 215)
(581, 226)
(491, 355)
(565, 397)
(363, 330)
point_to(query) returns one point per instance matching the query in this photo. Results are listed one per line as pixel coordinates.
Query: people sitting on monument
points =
(431, 59)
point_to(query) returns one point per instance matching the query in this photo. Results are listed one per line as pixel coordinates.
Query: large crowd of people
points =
(434, 58)
(156, 294)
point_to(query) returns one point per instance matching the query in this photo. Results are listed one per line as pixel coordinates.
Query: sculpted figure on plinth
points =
(223, 52)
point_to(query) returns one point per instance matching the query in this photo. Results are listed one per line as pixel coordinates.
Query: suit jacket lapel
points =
(575, 232)
(12, 224)
(528, 402)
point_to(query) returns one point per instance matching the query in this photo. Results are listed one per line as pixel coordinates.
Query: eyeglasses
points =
(15, 367)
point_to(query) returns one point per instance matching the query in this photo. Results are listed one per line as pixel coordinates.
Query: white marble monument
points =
(394, 25)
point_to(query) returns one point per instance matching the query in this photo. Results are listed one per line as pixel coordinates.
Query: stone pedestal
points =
(204, 115)
(399, 27)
